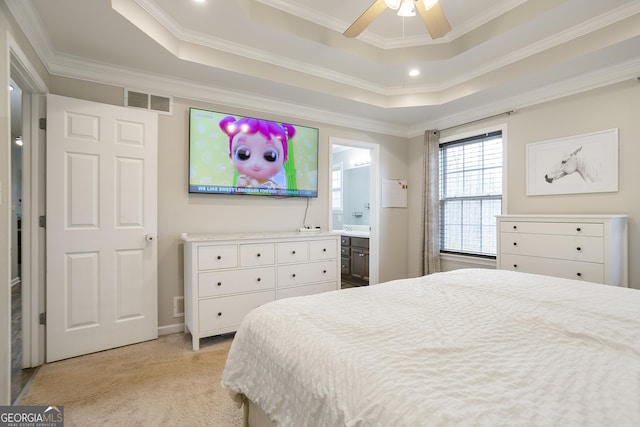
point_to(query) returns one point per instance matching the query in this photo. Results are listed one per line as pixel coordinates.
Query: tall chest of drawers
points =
(593, 248)
(227, 276)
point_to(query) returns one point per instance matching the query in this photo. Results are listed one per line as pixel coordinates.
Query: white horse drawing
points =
(574, 162)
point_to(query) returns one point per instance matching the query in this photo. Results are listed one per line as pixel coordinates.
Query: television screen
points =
(230, 154)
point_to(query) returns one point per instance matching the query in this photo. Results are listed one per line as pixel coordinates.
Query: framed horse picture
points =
(585, 163)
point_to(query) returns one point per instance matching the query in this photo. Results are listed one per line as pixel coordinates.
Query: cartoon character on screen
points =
(258, 150)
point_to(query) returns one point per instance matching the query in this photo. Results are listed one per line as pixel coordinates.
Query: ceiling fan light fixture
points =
(407, 8)
(428, 4)
(393, 4)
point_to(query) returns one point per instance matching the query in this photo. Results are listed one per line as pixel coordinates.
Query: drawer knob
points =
(293, 252)
(219, 257)
(258, 255)
(515, 265)
(515, 227)
(259, 279)
(324, 249)
(578, 229)
(578, 249)
(219, 283)
(515, 244)
(324, 271)
(219, 313)
(579, 274)
(293, 275)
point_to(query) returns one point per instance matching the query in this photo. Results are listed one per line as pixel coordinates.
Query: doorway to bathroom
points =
(354, 209)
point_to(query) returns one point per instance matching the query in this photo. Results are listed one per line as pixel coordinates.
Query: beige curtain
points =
(430, 221)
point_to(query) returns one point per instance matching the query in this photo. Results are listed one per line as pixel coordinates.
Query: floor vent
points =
(137, 99)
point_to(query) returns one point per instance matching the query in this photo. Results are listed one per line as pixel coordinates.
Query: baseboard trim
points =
(170, 329)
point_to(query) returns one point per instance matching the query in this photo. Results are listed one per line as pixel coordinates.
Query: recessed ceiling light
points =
(414, 72)
(199, 1)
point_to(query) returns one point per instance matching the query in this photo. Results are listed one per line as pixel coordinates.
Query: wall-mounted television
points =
(231, 154)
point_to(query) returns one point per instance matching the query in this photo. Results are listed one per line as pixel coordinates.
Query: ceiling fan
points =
(429, 10)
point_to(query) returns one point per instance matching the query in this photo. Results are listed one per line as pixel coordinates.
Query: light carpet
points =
(155, 383)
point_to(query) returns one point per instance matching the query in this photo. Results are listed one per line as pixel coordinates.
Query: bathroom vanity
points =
(354, 256)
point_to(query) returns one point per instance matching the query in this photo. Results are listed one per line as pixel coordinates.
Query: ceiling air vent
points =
(137, 99)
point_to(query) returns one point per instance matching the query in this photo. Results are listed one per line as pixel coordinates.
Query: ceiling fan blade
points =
(365, 19)
(434, 19)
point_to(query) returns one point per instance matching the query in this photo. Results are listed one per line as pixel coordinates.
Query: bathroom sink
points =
(355, 230)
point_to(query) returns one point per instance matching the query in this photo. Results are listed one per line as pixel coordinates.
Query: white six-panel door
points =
(101, 227)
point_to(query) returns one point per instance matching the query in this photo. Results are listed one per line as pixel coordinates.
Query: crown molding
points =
(80, 68)
(118, 76)
(199, 39)
(340, 26)
(240, 50)
(602, 21)
(629, 70)
(30, 23)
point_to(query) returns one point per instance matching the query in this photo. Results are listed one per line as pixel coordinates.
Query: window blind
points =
(470, 194)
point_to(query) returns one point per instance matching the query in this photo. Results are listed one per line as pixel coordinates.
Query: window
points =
(470, 194)
(336, 189)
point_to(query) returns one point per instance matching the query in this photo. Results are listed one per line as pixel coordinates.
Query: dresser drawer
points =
(300, 274)
(298, 291)
(590, 272)
(217, 256)
(292, 252)
(322, 249)
(226, 313)
(217, 283)
(561, 228)
(253, 255)
(586, 249)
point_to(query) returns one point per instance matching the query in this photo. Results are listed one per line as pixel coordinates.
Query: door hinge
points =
(43, 318)
(42, 220)
(43, 123)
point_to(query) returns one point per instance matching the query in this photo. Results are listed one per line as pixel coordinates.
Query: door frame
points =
(374, 193)
(33, 204)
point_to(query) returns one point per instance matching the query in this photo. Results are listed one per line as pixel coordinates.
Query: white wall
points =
(615, 106)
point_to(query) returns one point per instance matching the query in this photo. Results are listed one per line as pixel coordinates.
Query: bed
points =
(466, 347)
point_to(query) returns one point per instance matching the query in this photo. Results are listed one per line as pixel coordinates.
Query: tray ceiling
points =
(290, 57)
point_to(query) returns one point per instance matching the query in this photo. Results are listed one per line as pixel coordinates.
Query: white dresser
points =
(584, 247)
(227, 276)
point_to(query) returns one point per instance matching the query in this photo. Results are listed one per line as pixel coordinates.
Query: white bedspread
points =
(464, 348)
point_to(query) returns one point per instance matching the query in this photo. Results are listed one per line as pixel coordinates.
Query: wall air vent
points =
(158, 103)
